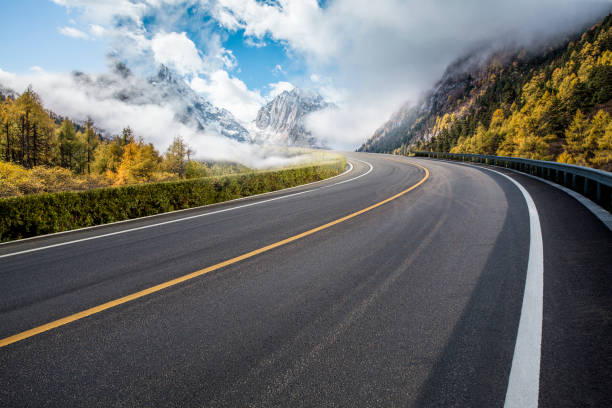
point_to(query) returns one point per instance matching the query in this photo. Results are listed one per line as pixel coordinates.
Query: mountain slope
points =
(281, 121)
(193, 109)
(163, 89)
(553, 104)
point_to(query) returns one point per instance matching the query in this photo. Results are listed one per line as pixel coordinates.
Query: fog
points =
(367, 58)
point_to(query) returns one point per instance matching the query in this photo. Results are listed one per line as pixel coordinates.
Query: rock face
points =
(164, 89)
(281, 121)
(452, 94)
(194, 110)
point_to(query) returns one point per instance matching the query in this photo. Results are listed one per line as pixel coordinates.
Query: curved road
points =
(413, 302)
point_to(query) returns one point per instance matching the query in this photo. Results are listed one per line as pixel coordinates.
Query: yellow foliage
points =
(564, 157)
(16, 180)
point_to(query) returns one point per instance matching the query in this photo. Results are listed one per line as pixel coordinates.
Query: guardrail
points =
(591, 183)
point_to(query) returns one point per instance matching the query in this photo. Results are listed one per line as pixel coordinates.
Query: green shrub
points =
(37, 214)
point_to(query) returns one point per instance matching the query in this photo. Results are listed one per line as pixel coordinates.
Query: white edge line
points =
(524, 382)
(92, 227)
(603, 215)
(187, 218)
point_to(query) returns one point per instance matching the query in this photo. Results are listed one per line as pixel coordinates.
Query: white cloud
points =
(73, 32)
(255, 42)
(177, 52)
(389, 51)
(367, 57)
(79, 98)
(106, 11)
(229, 93)
(277, 88)
(278, 69)
(96, 30)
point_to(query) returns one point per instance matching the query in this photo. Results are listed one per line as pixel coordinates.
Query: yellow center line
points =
(97, 309)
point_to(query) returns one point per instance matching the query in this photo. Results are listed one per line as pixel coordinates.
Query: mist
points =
(116, 101)
(367, 58)
(388, 53)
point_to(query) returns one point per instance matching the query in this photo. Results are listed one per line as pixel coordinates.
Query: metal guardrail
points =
(591, 183)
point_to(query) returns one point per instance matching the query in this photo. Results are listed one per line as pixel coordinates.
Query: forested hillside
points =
(43, 152)
(553, 104)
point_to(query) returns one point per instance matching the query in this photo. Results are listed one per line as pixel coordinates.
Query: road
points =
(414, 302)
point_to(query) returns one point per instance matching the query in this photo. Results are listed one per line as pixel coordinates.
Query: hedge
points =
(38, 214)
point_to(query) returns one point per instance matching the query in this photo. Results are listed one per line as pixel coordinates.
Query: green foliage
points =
(32, 215)
(177, 156)
(195, 169)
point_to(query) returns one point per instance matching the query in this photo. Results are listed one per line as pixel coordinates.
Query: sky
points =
(367, 57)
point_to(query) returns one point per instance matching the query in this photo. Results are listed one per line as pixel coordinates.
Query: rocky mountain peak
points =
(281, 121)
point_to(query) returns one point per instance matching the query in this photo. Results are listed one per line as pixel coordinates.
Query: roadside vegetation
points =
(57, 175)
(42, 152)
(559, 111)
(37, 214)
(555, 104)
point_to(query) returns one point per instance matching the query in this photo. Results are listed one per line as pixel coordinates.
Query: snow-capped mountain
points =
(280, 121)
(167, 90)
(195, 110)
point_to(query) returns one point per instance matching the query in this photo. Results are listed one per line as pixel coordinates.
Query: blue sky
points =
(42, 44)
(30, 37)
(368, 58)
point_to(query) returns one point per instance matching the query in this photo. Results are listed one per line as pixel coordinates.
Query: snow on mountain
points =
(281, 121)
(195, 110)
(167, 90)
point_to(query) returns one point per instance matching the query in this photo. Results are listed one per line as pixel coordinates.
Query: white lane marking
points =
(93, 227)
(524, 382)
(355, 178)
(184, 218)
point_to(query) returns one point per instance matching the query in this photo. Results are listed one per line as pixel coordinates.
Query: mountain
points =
(281, 121)
(164, 89)
(551, 103)
(195, 110)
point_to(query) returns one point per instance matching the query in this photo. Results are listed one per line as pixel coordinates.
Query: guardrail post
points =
(598, 193)
(574, 181)
(586, 187)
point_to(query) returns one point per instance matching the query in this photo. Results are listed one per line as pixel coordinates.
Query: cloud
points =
(390, 51)
(277, 88)
(178, 52)
(230, 93)
(79, 96)
(255, 42)
(73, 32)
(278, 69)
(107, 11)
(96, 30)
(366, 57)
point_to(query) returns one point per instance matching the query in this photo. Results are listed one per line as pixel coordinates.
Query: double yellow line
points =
(100, 308)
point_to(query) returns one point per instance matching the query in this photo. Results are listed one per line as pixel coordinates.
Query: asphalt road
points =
(415, 302)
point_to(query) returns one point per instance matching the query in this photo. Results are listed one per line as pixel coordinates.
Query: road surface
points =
(415, 301)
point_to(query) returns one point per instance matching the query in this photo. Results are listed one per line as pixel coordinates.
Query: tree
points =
(577, 145)
(35, 127)
(7, 119)
(138, 163)
(91, 140)
(67, 144)
(601, 135)
(176, 157)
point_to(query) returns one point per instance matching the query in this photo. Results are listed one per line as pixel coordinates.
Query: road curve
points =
(414, 302)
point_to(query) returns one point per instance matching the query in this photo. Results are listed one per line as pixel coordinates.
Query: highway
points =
(399, 283)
